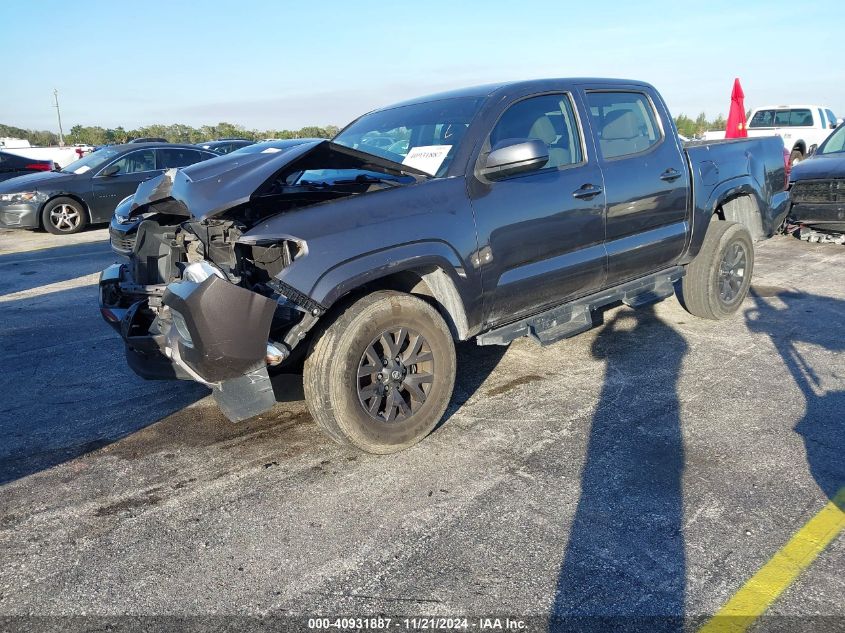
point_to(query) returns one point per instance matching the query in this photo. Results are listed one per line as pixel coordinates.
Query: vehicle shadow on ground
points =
(28, 270)
(822, 324)
(624, 568)
(474, 364)
(67, 389)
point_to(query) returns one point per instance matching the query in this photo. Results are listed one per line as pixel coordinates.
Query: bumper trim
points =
(246, 396)
(19, 215)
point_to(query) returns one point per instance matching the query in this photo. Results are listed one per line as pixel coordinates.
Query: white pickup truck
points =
(800, 126)
(61, 156)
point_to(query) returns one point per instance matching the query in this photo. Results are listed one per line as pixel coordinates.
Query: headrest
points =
(544, 130)
(620, 124)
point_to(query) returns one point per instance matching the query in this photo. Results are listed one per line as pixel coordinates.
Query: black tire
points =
(796, 156)
(717, 280)
(64, 216)
(340, 388)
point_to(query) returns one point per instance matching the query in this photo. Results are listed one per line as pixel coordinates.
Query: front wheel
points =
(380, 376)
(63, 216)
(718, 279)
(796, 157)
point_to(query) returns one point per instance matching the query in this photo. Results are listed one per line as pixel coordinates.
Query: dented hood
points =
(212, 187)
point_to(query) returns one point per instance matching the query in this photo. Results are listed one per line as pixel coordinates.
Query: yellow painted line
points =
(766, 585)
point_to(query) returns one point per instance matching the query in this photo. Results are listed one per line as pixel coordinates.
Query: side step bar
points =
(573, 318)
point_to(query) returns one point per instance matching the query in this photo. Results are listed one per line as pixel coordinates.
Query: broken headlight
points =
(198, 272)
(23, 196)
(181, 328)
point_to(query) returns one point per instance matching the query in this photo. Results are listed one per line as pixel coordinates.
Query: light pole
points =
(59, 114)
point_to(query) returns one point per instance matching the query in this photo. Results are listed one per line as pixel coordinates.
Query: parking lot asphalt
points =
(649, 467)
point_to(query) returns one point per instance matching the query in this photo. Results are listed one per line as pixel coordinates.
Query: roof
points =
(486, 90)
(125, 146)
(792, 107)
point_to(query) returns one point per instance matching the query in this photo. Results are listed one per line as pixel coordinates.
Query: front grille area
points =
(818, 191)
(122, 242)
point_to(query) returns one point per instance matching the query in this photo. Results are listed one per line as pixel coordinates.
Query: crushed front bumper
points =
(19, 215)
(213, 332)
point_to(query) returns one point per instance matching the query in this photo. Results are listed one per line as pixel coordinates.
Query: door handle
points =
(585, 192)
(670, 174)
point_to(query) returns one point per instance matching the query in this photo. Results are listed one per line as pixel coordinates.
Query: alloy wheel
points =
(395, 375)
(732, 272)
(65, 217)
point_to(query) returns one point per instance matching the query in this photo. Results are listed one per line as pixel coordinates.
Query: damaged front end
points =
(199, 300)
(190, 320)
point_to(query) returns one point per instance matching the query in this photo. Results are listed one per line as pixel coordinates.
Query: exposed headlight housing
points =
(23, 196)
(198, 272)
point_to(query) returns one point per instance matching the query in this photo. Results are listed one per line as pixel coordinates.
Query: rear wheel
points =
(64, 216)
(381, 375)
(717, 280)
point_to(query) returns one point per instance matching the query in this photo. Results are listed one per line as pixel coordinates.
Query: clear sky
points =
(282, 64)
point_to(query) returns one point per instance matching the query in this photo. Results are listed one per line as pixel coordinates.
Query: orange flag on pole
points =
(736, 127)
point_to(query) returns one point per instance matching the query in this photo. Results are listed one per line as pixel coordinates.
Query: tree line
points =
(693, 127)
(175, 133)
(179, 133)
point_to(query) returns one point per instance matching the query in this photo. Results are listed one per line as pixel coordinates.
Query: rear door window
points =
(135, 162)
(178, 157)
(625, 122)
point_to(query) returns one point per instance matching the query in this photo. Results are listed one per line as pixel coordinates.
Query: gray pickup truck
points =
(492, 212)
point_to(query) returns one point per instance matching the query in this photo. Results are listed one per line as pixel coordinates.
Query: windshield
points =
(271, 147)
(330, 177)
(95, 160)
(422, 135)
(835, 143)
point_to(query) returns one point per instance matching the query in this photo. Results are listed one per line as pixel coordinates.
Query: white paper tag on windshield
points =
(427, 158)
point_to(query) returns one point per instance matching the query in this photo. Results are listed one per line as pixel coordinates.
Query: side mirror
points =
(111, 170)
(515, 156)
(812, 149)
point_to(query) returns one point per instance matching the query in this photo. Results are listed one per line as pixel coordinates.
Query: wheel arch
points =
(743, 208)
(737, 200)
(422, 269)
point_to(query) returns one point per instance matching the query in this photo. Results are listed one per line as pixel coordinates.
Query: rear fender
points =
(738, 200)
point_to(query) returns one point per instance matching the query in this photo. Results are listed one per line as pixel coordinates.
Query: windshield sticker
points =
(270, 150)
(427, 158)
(82, 169)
